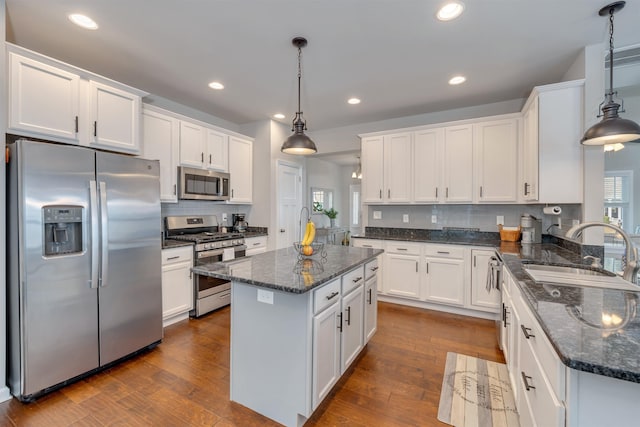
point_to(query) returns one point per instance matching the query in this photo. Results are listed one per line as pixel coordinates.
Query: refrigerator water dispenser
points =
(62, 230)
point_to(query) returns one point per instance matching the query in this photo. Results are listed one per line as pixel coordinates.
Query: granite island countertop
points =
(285, 270)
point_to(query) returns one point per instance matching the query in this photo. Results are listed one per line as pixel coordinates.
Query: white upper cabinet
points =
(51, 100)
(552, 154)
(192, 144)
(160, 141)
(496, 160)
(458, 164)
(427, 165)
(241, 170)
(115, 118)
(43, 99)
(217, 151)
(386, 162)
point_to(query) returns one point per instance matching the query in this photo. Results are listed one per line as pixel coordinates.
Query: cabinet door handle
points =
(389, 193)
(436, 192)
(232, 193)
(381, 193)
(416, 266)
(175, 189)
(191, 275)
(357, 279)
(173, 257)
(349, 316)
(333, 295)
(504, 315)
(202, 157)
(443, 252)
(525, 380)
(474, 261)
(370, 299)
(447, 192)
(95, 128)
(481, 191)
(526, 189)
(526, 332)
(340, 321)
(427, 268)
(209, 158)
(76, 124)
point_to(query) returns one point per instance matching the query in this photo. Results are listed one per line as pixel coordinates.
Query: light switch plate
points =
(224, 217)
(500, 220)
(265, 296)
(405, 218)
(377, 214)
(434, 219)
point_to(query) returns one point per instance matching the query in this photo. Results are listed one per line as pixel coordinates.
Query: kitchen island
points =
(296, 325)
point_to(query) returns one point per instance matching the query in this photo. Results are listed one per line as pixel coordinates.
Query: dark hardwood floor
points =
(185, 380)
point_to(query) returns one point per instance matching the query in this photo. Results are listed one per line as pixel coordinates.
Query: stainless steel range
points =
(210, 245)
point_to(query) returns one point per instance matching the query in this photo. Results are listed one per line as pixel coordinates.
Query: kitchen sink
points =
(577, 276)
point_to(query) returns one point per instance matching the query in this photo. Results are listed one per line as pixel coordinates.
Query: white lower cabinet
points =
(352, 326)
(377, 266)
(401, 269)
(177, 284)
(256, 245)
(326, 344)
(370, 299)
(444, 274)
(482, 298)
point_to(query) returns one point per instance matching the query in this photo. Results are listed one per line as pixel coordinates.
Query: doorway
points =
(289, 196)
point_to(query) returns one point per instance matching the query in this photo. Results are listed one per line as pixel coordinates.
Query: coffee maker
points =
(531, 229)
(239, 223)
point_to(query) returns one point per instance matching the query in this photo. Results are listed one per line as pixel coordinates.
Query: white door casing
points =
(289, 196)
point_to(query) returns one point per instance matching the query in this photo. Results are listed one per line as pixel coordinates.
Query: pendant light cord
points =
(611, 93)
(300, 74)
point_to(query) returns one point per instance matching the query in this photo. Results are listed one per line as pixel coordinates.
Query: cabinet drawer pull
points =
(402, 249)
(367, 246)
(443, 252)
(256, 244)
(526, 332)
(357, 279)
(173, 257)
(340, 321)
(333, 295)
(349, 316)
(374, 268)
(525, 380)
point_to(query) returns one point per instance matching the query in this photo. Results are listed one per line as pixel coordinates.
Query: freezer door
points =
(130, 291)
(53, 309)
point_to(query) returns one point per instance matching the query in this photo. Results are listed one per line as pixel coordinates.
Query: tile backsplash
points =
(201, 207)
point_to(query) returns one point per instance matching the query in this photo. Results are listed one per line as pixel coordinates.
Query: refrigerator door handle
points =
(95, 234)
(104, 237)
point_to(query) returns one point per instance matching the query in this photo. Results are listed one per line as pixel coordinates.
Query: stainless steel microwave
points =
(202, 184)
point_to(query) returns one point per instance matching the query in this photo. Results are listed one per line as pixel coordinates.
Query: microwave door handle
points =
(104, 235)
(95, 234)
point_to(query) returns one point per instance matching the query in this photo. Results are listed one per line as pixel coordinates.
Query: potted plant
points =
(332, 214)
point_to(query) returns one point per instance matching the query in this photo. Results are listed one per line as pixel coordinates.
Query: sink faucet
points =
(631, 269)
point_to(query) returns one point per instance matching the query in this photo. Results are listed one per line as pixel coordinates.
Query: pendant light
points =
(611, 129)
(299, 143)
(357, 174)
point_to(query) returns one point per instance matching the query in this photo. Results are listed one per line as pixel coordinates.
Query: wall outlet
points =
(377, 214)
(265, 296)
(500, 220)
(224, 217)
(405, 218)
(434, 219)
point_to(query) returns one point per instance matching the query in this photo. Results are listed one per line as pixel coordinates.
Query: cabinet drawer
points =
(352, 279)
(370, 269)
(539, 344)
(403, 248)
(256, 242)
(174, 255)
(367, 243)
(447, 251)
(537, 393)
(326, 295)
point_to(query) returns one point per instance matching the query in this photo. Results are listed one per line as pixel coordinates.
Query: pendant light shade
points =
(299, 143)
(612, 129)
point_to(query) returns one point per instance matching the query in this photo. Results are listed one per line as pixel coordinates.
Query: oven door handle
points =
(240, 248)
(207, 254)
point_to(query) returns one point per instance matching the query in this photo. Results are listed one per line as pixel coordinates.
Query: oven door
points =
(205, 285)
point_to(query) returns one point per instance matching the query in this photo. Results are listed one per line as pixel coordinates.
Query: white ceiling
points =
(392, 54)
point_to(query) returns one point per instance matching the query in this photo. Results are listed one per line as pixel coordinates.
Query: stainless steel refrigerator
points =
(84, 273)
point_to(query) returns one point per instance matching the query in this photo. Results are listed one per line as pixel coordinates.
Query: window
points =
(321, 199)
(617, 198)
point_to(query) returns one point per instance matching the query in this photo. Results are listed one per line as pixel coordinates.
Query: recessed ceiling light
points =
(216, 85)
(450, 11)
(278, 116)
(354, 101)
(456, 80)
(83, 21)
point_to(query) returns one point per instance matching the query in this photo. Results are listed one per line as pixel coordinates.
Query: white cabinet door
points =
(241, 170)
(427, 165)
(114, 118)
(370, 308)
(160, 141)
(352, 326)
(326, 352)
(445, 282)
(43, 99)
(192, 140)
(458, 164)
(481, 298)
(397, 168)
(372, 169)
(177, 282)
(529, 161)
(496, 158)
(217, 151)
(401, 276)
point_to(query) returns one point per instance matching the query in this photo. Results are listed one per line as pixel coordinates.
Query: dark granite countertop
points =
(170, 243)
(250, 234)
(450, 236)
(283, 269)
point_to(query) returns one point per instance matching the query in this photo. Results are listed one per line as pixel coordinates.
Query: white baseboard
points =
(5, 394)
(439, 307)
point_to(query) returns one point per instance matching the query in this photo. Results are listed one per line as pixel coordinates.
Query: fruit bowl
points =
(309, 250)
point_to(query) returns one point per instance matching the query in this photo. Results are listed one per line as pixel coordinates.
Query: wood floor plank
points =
(185, 380)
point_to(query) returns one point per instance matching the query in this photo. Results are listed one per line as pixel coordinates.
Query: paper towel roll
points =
(552, 210)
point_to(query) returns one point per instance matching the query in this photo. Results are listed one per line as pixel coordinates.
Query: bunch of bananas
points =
(309, 235)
